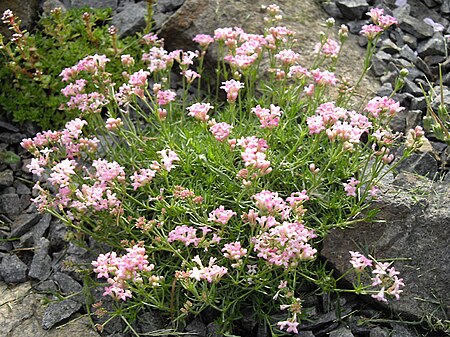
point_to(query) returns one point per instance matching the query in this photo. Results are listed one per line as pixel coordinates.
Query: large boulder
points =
(304, 17)
(27, 11)
(414, 231)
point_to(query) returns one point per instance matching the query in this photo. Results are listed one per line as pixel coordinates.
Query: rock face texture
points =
(414, 228)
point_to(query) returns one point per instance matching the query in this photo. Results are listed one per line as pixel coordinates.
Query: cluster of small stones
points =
(34, 247)
(419, 43)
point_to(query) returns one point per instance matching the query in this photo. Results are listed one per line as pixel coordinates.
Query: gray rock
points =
(11, 137)
(390, 47)
(196, 328)
(379, 332)
(94, 3)
(212, 330)
(47, 286)
(150, 321)
(445, 7)
(416, 27)
(341, 332)
(410, 40)
(380, 62)
(166, 6)
(415, 227)
(6, 178)
(421, 65)
(433, 46)
(407, 53)
(412, 88)
(13, 270)
(434, 60)
(10, 204)
(58, 311)
(49, 5)
(399, 330)
(353, 9)
(57, 234)
(42, 263)
(21, 188)
(41, 227)
(413, 118)
(332, 9)
(23, 224)
(27, 11)
(8, 127)
(131, 19)
(305, 334)
(66, 284)
(385, 90)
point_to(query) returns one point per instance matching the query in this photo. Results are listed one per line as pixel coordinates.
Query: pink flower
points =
(211, 273)
(287, 57)
(371, 31)
(221, 215)
(359, 261)
(221, 131)
(127, 60)
(200, 111)
(203, 40)
(190, 75)
(350, 187)
(232, 87)
(184, 234)
(234, 251)
(168, 157)
(113, 123)
(324, 77)
(288, 326)
(329, 49)
(269, 118)
(142, 177)
(164, 97)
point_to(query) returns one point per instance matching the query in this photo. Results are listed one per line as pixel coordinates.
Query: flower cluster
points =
(269, 118)
(381, 22)
(384, 277)
(120, 272)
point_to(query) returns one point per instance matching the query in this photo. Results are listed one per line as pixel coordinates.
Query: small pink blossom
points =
(232, 87)
(221, 215)
(350, 187)
(164, 97)
(221, 131)
(359, 261)
(113, 123)
(203, 40)
(168, 157)
(200, 111)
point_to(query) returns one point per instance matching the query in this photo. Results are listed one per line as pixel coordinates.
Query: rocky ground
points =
(43, 295)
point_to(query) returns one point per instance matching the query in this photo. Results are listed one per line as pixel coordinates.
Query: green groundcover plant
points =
(220, 204)
(30, 89)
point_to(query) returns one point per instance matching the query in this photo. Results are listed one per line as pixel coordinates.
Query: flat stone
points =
(23, 224)
(353, 9)
(94, 3)
(379, 332)
(13, 270)
(341, 332)
(196, 328)
(166, 6)
(8, 127)
(42, 263)
(131, 19)
(58, 311)
(41, 227)
(10, 204)
(415, 227)
(6, 178)
(432, 46)
(11, 138)
(21, 188)
(416, 27)
(66, 284)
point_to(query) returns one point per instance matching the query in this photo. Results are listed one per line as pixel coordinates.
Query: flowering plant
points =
(218, 204)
